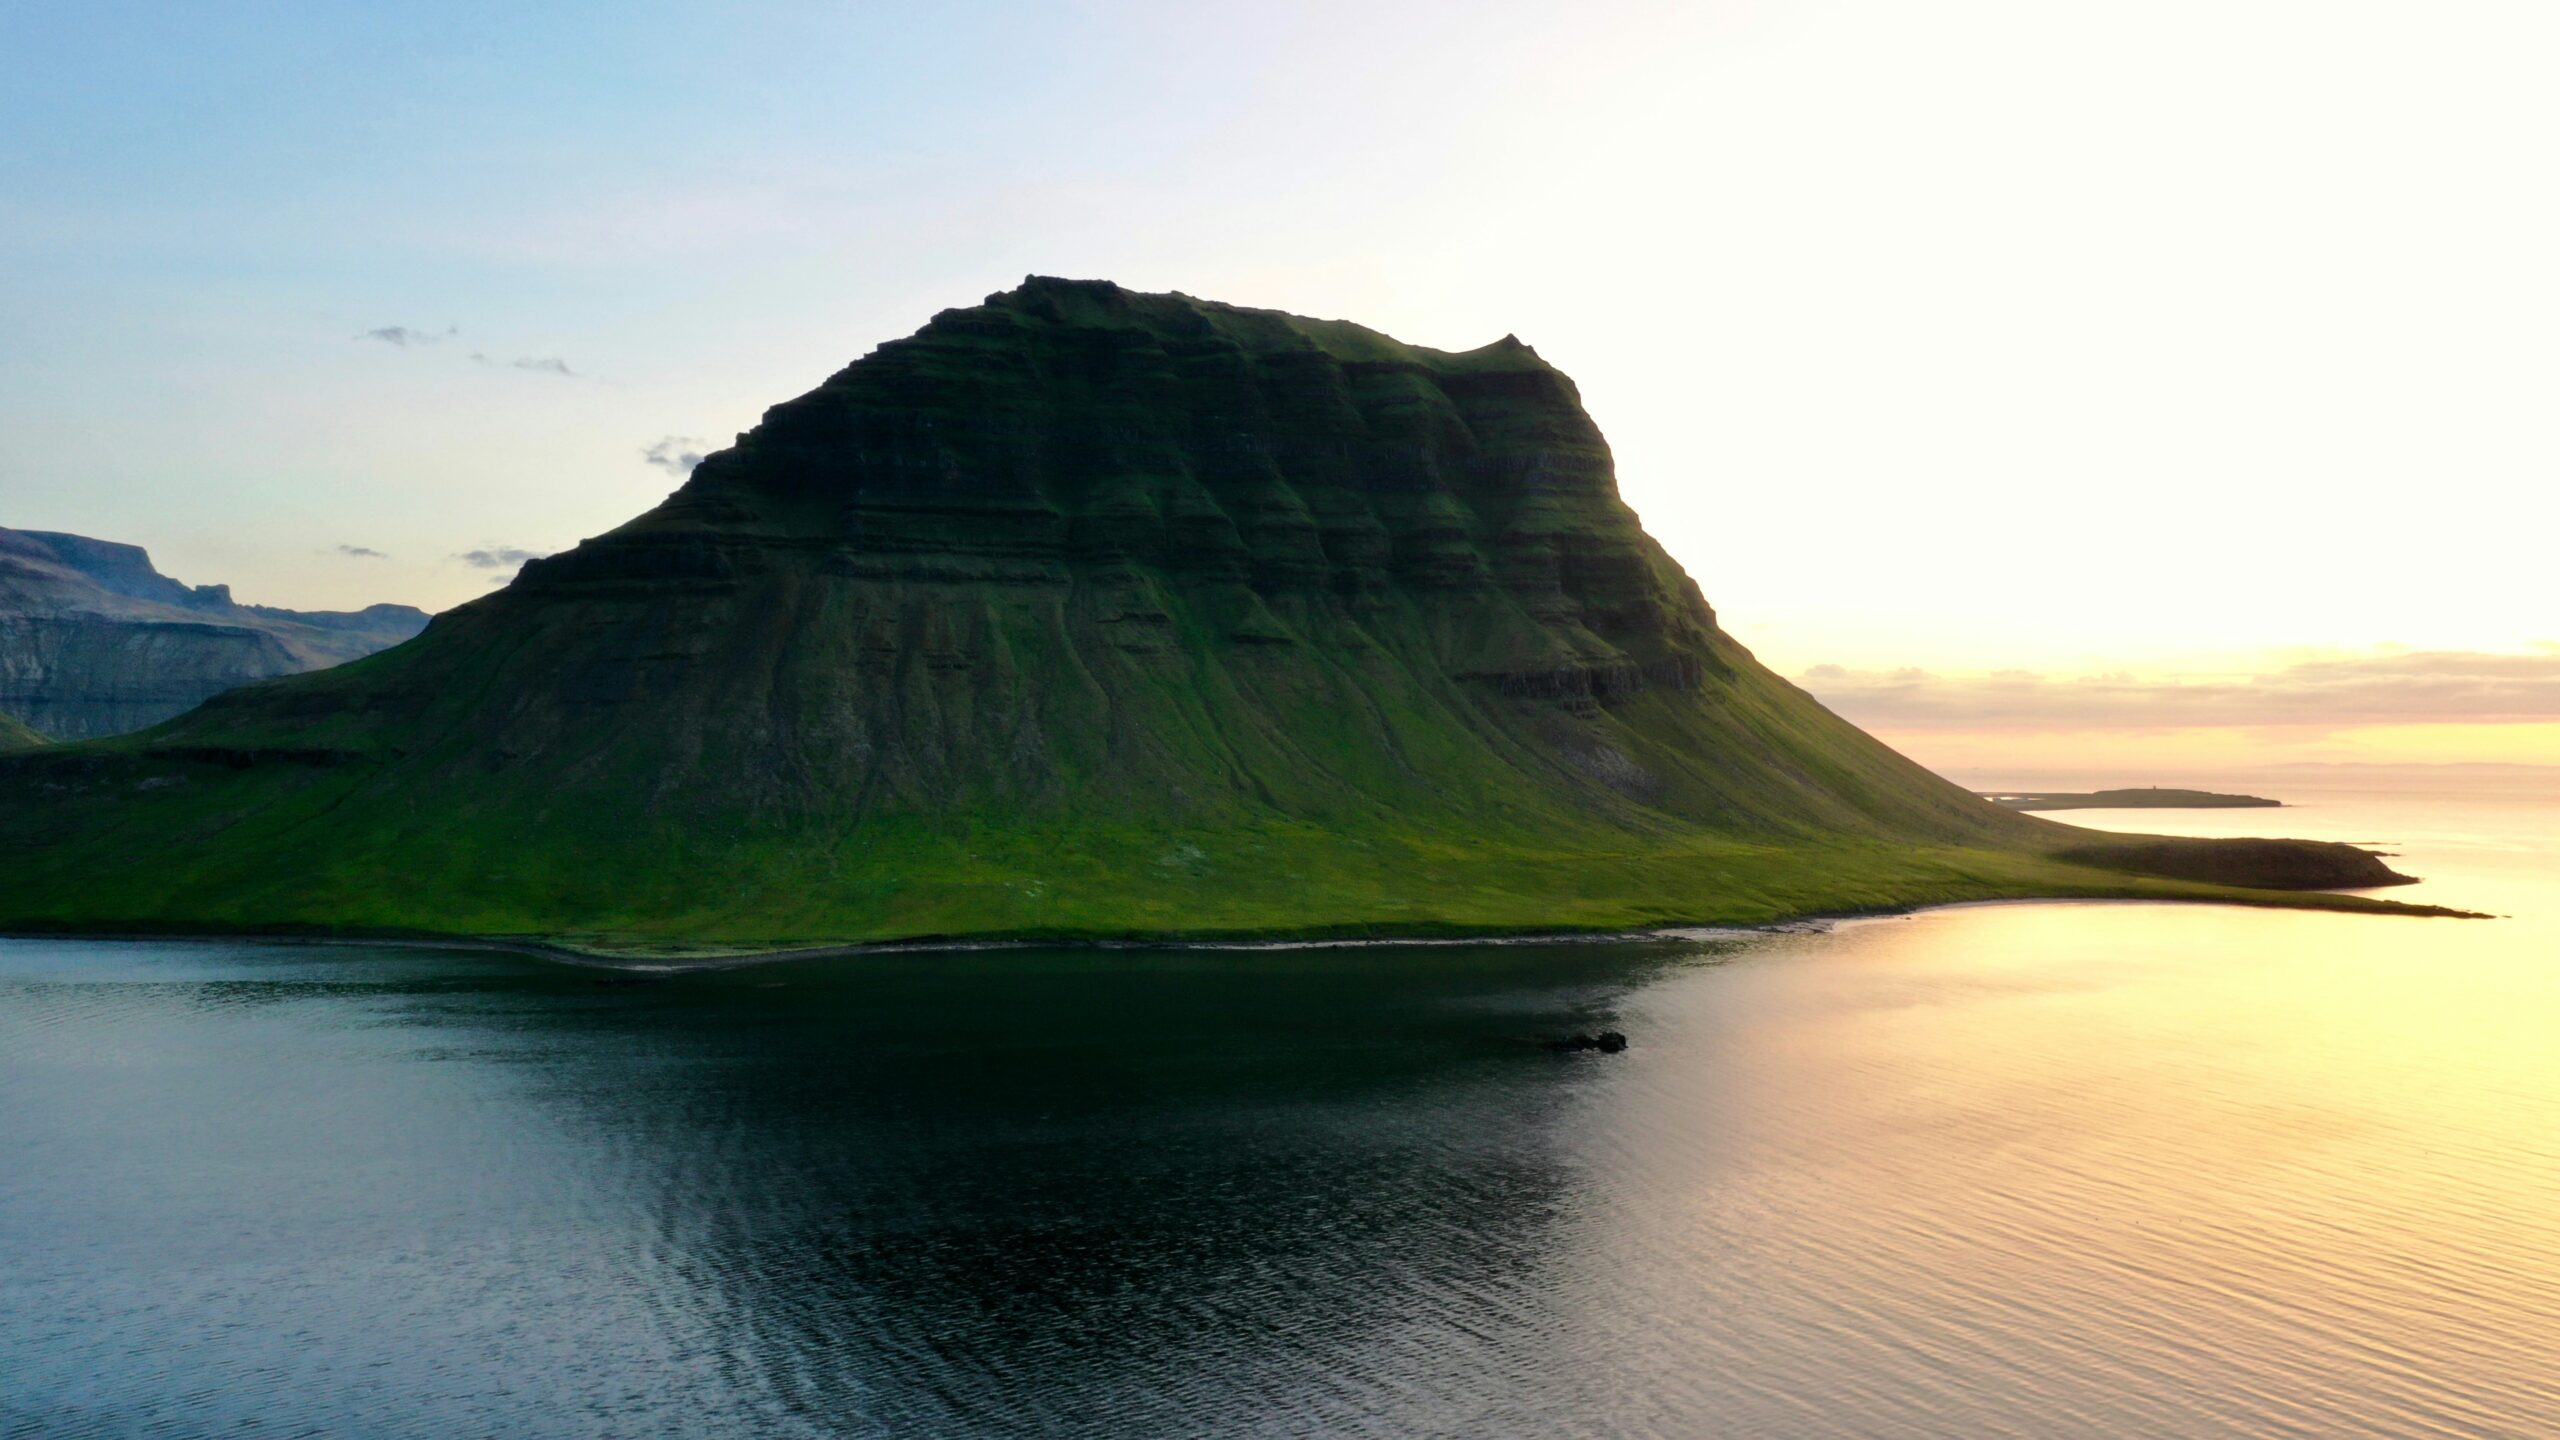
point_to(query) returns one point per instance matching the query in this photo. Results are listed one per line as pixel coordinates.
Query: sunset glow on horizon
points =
(1974, 338)
(1810, 719)
(2168, 755)
(2382, 707)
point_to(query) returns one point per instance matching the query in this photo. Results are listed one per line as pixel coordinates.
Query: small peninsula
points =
(2149, 797)
(1081, 613)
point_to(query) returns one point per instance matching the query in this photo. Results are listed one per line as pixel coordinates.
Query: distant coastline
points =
(2149, 797)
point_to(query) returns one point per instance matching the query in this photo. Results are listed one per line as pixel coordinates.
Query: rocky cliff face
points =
(95, 641)
(1080, 611)
(999, 560)
(1082, 546)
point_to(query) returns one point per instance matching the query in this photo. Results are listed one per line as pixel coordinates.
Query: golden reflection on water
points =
(2111, 1169)
(2033, 1171)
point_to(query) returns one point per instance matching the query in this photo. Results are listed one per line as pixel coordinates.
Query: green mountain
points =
(1079, 612)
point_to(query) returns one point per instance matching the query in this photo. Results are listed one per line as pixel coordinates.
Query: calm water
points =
(2038, 1171)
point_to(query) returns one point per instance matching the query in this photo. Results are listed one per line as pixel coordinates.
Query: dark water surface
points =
(2030, 1171)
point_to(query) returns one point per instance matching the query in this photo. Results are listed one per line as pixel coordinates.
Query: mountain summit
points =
(1080, 611)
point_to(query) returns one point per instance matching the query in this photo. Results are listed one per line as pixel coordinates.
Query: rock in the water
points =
(1607, 1042)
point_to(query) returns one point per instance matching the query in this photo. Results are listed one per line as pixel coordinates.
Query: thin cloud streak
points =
(540, 364)
(501, 557)
(405, 336)
(676, 454)
(410, 337)
(360, 552)
(2416, 688)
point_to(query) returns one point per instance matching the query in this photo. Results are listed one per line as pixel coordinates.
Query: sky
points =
(2027, 377)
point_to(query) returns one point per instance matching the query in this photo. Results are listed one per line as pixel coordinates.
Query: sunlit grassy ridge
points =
(1080, 613)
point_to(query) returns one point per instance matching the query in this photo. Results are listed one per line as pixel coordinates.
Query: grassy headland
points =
(2148, 797)
(1079, 614)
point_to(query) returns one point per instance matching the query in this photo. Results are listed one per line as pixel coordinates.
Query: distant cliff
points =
(95, 641)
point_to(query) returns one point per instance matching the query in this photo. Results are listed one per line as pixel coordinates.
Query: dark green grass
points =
(235, 852)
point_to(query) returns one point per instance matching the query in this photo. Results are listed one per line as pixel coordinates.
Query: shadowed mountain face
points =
(94, 641)
(1080, 611)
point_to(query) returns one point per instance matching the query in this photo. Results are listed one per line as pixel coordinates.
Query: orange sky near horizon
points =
(2380, 705)
(2193, 357)
(2169, 754)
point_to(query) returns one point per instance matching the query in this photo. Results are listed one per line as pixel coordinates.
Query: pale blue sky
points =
(2238, 315)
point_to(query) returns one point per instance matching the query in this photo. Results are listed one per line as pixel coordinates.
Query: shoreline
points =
(682, 962)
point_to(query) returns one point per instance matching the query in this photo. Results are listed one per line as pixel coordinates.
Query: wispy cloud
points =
(501, 557)
(676, 454)
(540, 364)
(410, 337)
(405, 336)
(360, 552)
(2414, 688)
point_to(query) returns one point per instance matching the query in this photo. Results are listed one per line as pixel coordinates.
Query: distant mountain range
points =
(95, 641)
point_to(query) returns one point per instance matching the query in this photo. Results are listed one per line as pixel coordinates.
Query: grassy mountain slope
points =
(1079, 612)
(16, 734)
